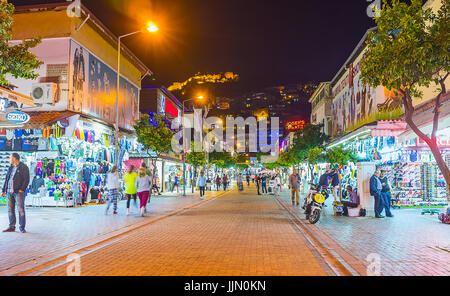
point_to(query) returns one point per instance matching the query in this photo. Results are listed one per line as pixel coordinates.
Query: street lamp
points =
(184, 147)
(150, 28)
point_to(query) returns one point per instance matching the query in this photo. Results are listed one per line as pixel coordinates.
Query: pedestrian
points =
(143, 187)
(175, 183)
(248, 179)
(316, 179)
(277, 185)
(225, 182)
(353, 201)
(258, 183)
(218, 181)
(15, 186)
(130, 187)
(202, 184)
(335, 182)
(294, 182)
(264, 184)
(112, 185)
(386, 193)
(375, 191)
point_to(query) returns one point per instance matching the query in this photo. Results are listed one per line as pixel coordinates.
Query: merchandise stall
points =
(66, 169)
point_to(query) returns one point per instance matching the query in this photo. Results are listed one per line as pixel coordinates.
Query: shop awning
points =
(40, 119)
(14, 96)
(389, 128)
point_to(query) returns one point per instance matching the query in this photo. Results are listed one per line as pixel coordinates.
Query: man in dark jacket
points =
(15, 186)
(375, 191)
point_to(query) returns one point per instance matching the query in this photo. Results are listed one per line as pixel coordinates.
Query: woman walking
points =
(112, 184)
(143, 186)
(130, 187)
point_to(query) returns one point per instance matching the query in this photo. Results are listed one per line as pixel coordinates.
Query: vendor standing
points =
(386, 193)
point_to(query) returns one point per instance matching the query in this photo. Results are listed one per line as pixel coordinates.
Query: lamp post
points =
(151, 28)
(184, 146)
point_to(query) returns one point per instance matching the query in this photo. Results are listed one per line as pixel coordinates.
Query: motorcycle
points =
(314, 202)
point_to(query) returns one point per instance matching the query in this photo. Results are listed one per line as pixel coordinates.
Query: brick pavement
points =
(55, 230)
(233, 235)
(408, 244)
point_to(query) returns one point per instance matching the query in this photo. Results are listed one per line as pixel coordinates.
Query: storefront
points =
(68, 159)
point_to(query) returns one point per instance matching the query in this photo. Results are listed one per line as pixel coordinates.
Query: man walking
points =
(264, 184)
(375, 191)
(258, 183)
(294, 181)
(202, 184)
(16, 183)
(386, 194)
(225, 182)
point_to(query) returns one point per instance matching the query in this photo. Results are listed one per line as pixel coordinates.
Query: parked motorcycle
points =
(314, 202)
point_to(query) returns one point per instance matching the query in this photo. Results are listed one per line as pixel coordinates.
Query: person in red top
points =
(225, 182)
(218, 181)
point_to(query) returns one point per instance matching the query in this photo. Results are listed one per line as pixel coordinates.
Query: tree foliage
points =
(221, 159)
(15, 60)
(154, 133)
(410, 50)
(316, 156)
(305, 140)
(196, 159)
(339, 155)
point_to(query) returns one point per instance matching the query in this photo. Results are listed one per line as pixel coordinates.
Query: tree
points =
(308, 138)
(340, 156)
(15, 60)
(221, 159)
(315, 156)
(410, 50)
(240, 161)
(196, 159)
(154, 134)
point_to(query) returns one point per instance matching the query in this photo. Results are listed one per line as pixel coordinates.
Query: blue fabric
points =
(19, 199)
(386, 197)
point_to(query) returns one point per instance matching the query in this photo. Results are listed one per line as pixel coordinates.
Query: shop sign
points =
(3, 105)
(292, 126)
(440, 142)
(17, 117)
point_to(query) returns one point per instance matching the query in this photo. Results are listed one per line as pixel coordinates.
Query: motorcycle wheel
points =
(314, 217)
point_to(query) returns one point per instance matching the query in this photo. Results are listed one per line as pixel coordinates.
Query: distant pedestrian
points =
(277, 185)
(294, 183)
(202, 184)
(375, 191)
(248, 180)
(264, 184)
(130, 187)
(258, 183)
(175, 183)
(143, 187)
(112, 185)
(335, 184)
(218, 182)
(225, 182)
(15, 186)
(386, 193)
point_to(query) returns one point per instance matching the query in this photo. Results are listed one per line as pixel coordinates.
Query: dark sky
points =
(266, 42)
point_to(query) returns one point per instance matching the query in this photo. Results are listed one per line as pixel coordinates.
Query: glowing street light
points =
(151, 28)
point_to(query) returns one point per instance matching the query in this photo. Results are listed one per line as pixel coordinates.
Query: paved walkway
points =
(51, 231)
(408, 244)
(233, 235)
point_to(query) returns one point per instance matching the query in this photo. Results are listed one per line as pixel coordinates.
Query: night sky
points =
(267, 43)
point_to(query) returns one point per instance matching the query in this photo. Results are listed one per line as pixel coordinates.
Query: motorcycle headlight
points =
(319, 198)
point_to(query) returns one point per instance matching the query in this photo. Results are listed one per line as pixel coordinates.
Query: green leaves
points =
(155, 135)
(15, 60)
(409, 49)
(307, 139)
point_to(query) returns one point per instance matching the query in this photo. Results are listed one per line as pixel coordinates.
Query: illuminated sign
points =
(17, 117)
(296, 125)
